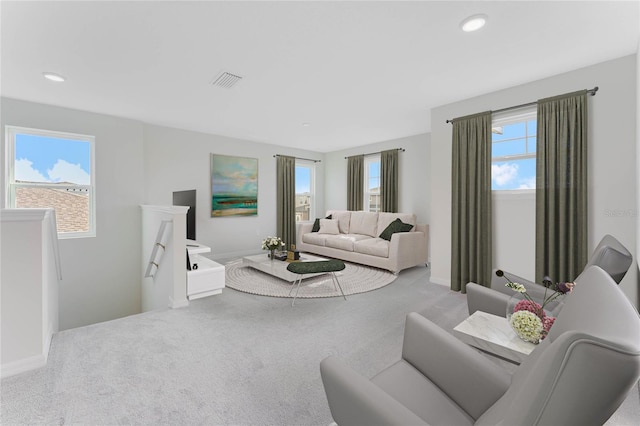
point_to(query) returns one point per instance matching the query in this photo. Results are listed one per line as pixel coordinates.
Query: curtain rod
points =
(374, 153)
(298, 158)
(591, 92)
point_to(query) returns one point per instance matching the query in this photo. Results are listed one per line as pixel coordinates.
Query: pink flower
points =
(565, 288)
(533, 307)
(547, 322)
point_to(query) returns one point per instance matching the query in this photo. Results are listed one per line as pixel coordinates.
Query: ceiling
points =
(356, 72)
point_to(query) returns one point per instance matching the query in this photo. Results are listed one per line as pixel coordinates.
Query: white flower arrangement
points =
(517, 287)
(527, 325)
(272, 243)
(528, 304)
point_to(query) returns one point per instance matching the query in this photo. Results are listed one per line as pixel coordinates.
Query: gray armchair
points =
(578, 375)
(610, 255)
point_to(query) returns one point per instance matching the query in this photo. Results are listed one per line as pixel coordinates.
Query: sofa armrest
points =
(481, 298)
(465, 375)
(354, 400)
(409, 248)
(305, 227)
(302, 228)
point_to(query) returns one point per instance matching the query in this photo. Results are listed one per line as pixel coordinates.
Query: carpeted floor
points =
(230, 359)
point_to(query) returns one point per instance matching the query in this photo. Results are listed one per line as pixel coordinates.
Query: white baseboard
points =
(174, 304)
(30, 363)
(20, 366)
(440, 281)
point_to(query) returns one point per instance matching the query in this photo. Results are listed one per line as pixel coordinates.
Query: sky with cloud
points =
(52, 160)
(513, 175)
(513, 140)
(303, 180)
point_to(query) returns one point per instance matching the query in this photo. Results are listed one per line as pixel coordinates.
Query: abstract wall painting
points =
(234, 186)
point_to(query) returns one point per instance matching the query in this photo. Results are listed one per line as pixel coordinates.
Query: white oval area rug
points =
(353, 279)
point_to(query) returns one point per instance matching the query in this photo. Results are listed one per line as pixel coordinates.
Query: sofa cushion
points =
(364, 223)
(395, 226)
(344, 241)
(328, 226)
(385, 218)
(315, 238)
(343, 217)
(373, 246)
(316, 224)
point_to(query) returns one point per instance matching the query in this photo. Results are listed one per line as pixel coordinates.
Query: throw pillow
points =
(329, 226)
(316, 224)
(395, 226)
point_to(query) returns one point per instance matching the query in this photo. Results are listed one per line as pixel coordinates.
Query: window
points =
(305, 190)
(53, 169)
(372, 183)
(513, 152)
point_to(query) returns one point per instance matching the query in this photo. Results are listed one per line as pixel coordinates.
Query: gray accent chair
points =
(610, 255)
(578, 375)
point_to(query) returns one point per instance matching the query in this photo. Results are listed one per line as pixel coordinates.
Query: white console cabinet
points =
(165, 278)
(208, 278)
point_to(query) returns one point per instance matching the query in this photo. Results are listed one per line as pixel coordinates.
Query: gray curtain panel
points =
(561, 187)
(355, 182)
(389, 180)
(471, 202)
(286, 200)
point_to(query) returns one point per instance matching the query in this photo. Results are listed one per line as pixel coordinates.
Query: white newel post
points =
(30, 277)
(164, 257)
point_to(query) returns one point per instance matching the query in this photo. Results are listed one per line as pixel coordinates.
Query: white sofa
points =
(357, 240)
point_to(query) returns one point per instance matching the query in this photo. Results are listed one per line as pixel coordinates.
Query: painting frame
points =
(234, 186)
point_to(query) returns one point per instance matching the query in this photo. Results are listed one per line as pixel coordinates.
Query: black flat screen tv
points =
(187, 198)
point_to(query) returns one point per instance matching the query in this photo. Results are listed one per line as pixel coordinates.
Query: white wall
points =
(24, 278)
(414, 179)
(177, 160)
(30, 281)
(612, 164)
(101, 275)
(514, 226)
(638, 164)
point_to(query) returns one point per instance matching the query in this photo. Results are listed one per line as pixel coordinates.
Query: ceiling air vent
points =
(226, 80)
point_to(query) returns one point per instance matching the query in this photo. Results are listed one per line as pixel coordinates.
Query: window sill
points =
(513, 194)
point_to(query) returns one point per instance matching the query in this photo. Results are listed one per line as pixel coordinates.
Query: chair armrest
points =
(354, 400)
(498, 283)
(535, 290)
(481, 298)
(465, 375)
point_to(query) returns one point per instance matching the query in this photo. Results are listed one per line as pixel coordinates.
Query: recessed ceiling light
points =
(473, 23)
(306, 124)
(53, 77)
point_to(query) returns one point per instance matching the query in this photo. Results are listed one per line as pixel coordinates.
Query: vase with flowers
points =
(531, 316)
(272, 244)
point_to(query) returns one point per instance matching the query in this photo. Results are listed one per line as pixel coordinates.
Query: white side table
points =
(494, 335)
(209, 278)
